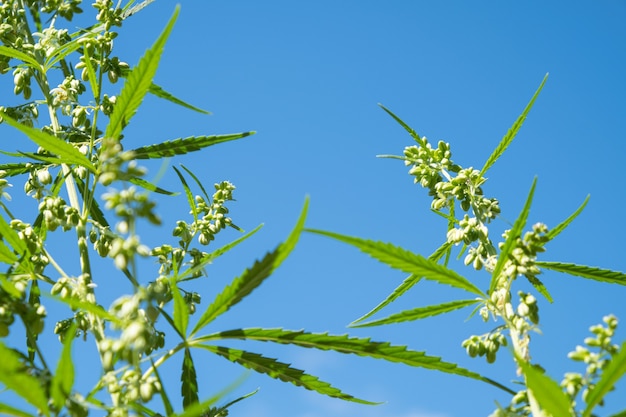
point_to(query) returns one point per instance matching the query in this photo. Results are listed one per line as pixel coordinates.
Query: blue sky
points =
(307, 76)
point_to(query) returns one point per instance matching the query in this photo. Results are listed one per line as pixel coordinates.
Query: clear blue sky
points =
(307, 76)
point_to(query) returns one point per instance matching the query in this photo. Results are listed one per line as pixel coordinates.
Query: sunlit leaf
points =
(346, 344)
(161, 93)
(138, 83)
(7, 410)
(552, 233)
(65, 152)
(281, 371)
(149, 186)
(63, 379)
(418, 313)
(598, 274)
(406, 127)
(13, 376)
(189, 386)
(408, 283)
(209, 257)
(181, 312)
(614, 371)
(513, 235)
(405, 261)
(510, 135)
(546, 391)
(167, 404)
(190, 198)
(252, 277)
(22, 56)
(184, 145)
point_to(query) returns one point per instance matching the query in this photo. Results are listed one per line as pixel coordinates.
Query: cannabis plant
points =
(84, 186)
(511, 314)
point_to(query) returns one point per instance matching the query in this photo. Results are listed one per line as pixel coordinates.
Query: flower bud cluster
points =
(211, 217)
(50, 40)
(137, 333)
(596, 354)
(25, 114)
(4, 184)
(28, 235)
(428, 165)
(64, 8)
(129, 204)
(65, 95)
(522, 257)
(107, 14)
(101, 238)
(130, 388)
(57, 213)
(527, 307)
(115, 163)
(21, 81)
(486, 345)
(33, 314)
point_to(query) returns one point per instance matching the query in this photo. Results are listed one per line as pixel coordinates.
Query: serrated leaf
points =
(63, 379)
(552, 233)
(408, 283)
(7, 410)
(252, 277)
(611, 374)
(189, 386)
(512, 132)
(418, 313)
(540, 287)
(209, 257)
(184, 145)
(181, 312)
(405, 261)
(22, 56)
(149, 186)
(66, 152)
(14, 376)
(11, 170)
(281, 371)
(346, 344)
(590, 272)
(546, 391)
(198, 182)
(406, 127)
(138, 83)
(514, 233)
(6, 255)
(161, 93)
(190, 199)
(167, 404)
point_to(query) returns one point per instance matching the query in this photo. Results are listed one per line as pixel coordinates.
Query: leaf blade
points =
(189, 383)
(66, 152)
(590, 272)
(138, 83)
(418, 313)
(281, 371)
(613, 372)
(183, 146)
(14, 377)
(512, 132)
(252, 277)
(405, 261)
(349, 345)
